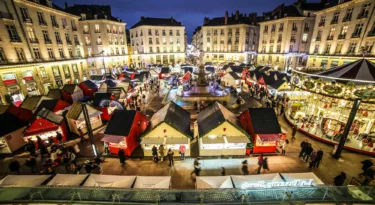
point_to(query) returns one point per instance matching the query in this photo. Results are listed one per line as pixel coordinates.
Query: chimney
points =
(237, 15)
(226, 18)
(142, 18)
(95, 16)
(232, 15)
(172, 21)
(253, 17)
(206, 20)
(66, 5)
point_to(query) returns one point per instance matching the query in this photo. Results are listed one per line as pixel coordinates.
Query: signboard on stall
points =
(10, 82)
(274, 184)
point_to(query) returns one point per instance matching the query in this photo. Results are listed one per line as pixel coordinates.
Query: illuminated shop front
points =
(170, 126)
(13, 88)
(324, 112)
(220, 132)
(30, 83)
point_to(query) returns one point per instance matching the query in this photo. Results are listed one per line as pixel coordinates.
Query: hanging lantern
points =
(325, 106)
(365, 114)
(164, 130)
(224, 129)
(303, 126)
(330, 105)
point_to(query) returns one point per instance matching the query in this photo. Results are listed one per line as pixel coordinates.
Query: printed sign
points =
(271, 184)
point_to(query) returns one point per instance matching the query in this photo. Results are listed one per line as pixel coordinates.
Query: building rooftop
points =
(148, 21)
(236, 18)
(92, 11)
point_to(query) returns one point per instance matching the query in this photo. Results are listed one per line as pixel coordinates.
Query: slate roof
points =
(173, 115)
(55, 93)
(264, 121)
(210, 69)
(219, 21)
(110, 83)
(188, 69)
(282, 11)
(116, 91)
(277, 83)
(237, 69)
(48, 104)
(98, 97)
(50, 116)
(212, 116)
(90, 84)
(91, 10)
(120, 123)
(156, 22)
(69, 88)
(30, 102)
(165, 70)
(10, 123)
(97, 77)
(234, 75)
(3, 108)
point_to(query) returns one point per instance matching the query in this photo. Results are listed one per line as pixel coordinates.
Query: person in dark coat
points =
(260, 163)
(30, 147)
(319, 157)
(244, 168)
(14, 166)
(154, 151)
(303, 147)
(170, 157)
(308, 151)
(121, 156)
(31, 162)
(366, 164)
(265, 164)
(294, 132)
(339, 179)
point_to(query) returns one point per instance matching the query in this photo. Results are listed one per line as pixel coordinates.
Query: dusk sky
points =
(189, 12)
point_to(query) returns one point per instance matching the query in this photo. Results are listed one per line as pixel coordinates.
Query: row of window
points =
(230, 32)
(229, 48)
(293, 39)
(111, 51)
(155, 32)
(364, 13)
(343, 32)
(99, 41)
(157, 42)
(97, 29)
(338, 50)
(158, 49)
(229, 40)
(306, 27)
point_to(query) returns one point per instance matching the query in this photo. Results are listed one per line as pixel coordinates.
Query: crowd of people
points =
(310, 155)
(159, 154)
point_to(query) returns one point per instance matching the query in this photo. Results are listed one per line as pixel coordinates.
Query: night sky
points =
(189, 12)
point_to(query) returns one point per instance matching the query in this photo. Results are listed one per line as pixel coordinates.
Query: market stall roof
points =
(97, 77)
(40, 126)
(213, 140)
(10, 123)
(90, 84)
(67, 180)
(306, 175)
(277, 83)
(98, 180)
(239, 180)
(120, 123)
(116, 91)
(236, 69)
(23, 180)
(269, 137)
(234, 75)
(188, 69)
(264, 121)
(75, 111)
(210, 69)
(152, 182)
(177, 140)
(361, 70)
(214, 182)
(212, 116)
(165, 70)
(153, 140)
(237, 139)
(21, 113)
(112, 138)
(173, 115)
(55, 93)
(110, 83)
(70, 88)
(99, 97)
(31, 102)
(52, 105)
(50, 116)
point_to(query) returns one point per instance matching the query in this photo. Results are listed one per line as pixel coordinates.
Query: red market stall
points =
(107, 104)
(186, 77)
(89, 88)
(164, 73)
(264, 128)
(72, 93)
(52, 105)
(47, 124)
(123, 131)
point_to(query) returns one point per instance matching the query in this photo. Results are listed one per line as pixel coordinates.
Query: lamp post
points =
(89, 129)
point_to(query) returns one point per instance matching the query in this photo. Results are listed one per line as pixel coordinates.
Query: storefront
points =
(30, 83)
(57, 75)
(169, 126)
(67, 74)
(324, 111)
(219, 132)
(14, 90)
(124, 130)
(264, 128)
(76, 73)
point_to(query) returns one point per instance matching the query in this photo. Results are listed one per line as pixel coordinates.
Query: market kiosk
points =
(264, 128)
(220, 132)
(169, 126)
(214, 182)
(115, 181)
(67, 180)
(152, 182)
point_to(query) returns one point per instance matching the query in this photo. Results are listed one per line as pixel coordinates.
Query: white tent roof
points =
(239, 180)
(67, 180)
(152, 182)
(216, 182)
(24, 180)
(306, 175)
(97, 180)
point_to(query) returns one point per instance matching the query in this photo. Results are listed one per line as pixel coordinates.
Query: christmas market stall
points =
(72, 93)
(164, 73)
(332, 95)
(105, 85)
(115, 181)
(107, 104)
(152, 182)
(214, 182)
(170, 126)
(123, 131)
(76, 119)
(32, 102)
(47, 124)
(264, 128)
(71, 180)
(88, 88)
(56, 106)
(220, 132)
(231, 79)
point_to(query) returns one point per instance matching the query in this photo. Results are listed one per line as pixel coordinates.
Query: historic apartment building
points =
(340, 32)
(228, 39)
(40, 48)
(104, 38)
(286, 34)
(157, 41)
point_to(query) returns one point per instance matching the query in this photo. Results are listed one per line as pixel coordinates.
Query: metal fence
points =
(291, 195)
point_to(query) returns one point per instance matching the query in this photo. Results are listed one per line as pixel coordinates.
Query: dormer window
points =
(83, 16)
(49, 3)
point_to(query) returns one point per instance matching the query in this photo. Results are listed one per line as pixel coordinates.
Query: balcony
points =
(85, 32)
(229, 42)
(65, 27)
(371, 33)
(281, 29)
(47, 41)
(69, 42)
(347, 19)
(33, 40)
(334, 21)
(318, 38)
(362, 15)
(157, 43)
(279, 40)
(356, 35)
(294, 29)
(109, 31)
(306, 30)
(5, 15)
(265, 32)
(27, 20)
(150, 34)
(273, 30)
(15, 39)
(77, 43)
(329, 38)
(74, 28)
(149, 43)
(115, 32)
(55, 25)
(321, 24)
(292, 40)
(59, 41)
(236, 42)
(97, 31)
(42, 23)
(342, 36)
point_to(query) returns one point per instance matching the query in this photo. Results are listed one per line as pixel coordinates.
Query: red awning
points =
(186, 77)
(261, 81)
(132, 76)
(40, 126)
(269, 137)
(112, 138)
(61, 105)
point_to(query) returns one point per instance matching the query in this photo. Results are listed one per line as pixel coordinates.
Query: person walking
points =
(313, 158)
(196, 162)
(170, 157)
(121, 156)
(155, 153)
(222, 171)
(339, 180)
(106, 148)
(308, 152)
(197, 169)
(182, 151)
(265, 164)
(14, 166)
(161, 152)
(319, 157)
(284, 146)
(30, 147)
(367, 163)
(294, 132)
(303, 148)
(244, 168)
(260, 163)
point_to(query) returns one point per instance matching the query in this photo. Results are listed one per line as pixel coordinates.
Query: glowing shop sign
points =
(271, 184)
